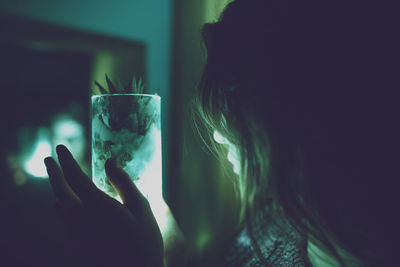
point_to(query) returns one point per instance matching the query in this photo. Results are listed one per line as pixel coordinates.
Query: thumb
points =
(127, 190)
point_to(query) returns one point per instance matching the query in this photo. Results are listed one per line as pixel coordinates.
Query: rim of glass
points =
(125, 94)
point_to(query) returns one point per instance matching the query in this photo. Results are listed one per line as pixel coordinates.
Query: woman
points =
(300, 94)
(294, 89)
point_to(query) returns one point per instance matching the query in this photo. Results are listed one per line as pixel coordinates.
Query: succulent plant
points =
(134, 86)
(126, 107)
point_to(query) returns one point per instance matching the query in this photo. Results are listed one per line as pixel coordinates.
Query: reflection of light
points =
(34, 165)
(161, 214)
(233, 153)
(68, 129)
(234, 158)
(150, 182)
(219, 138)
(151, 178)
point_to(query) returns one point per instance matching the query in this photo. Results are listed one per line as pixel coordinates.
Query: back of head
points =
(308, 91)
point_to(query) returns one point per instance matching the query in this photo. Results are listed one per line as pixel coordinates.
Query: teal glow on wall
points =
(146, 21)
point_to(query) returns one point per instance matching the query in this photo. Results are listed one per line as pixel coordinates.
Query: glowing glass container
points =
(127, 128)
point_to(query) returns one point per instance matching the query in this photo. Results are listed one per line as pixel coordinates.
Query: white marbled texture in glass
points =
(127, 128)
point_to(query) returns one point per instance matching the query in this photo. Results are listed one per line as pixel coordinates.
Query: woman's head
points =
(295, 89)
(236, 70)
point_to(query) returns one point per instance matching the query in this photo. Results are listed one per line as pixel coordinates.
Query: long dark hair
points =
(294, 88)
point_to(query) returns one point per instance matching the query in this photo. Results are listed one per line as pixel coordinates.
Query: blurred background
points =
(51, 53)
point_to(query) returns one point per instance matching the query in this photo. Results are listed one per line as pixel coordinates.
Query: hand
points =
(113, 233)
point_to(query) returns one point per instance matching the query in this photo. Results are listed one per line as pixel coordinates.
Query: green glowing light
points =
(233, 153)
(68, 128)
(34, 165)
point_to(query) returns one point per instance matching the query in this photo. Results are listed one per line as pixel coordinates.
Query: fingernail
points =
(47, 161)
(61, 150)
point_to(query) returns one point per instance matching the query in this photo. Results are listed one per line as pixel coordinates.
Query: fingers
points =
(61, 189)
(79, 182)
(128, 192)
